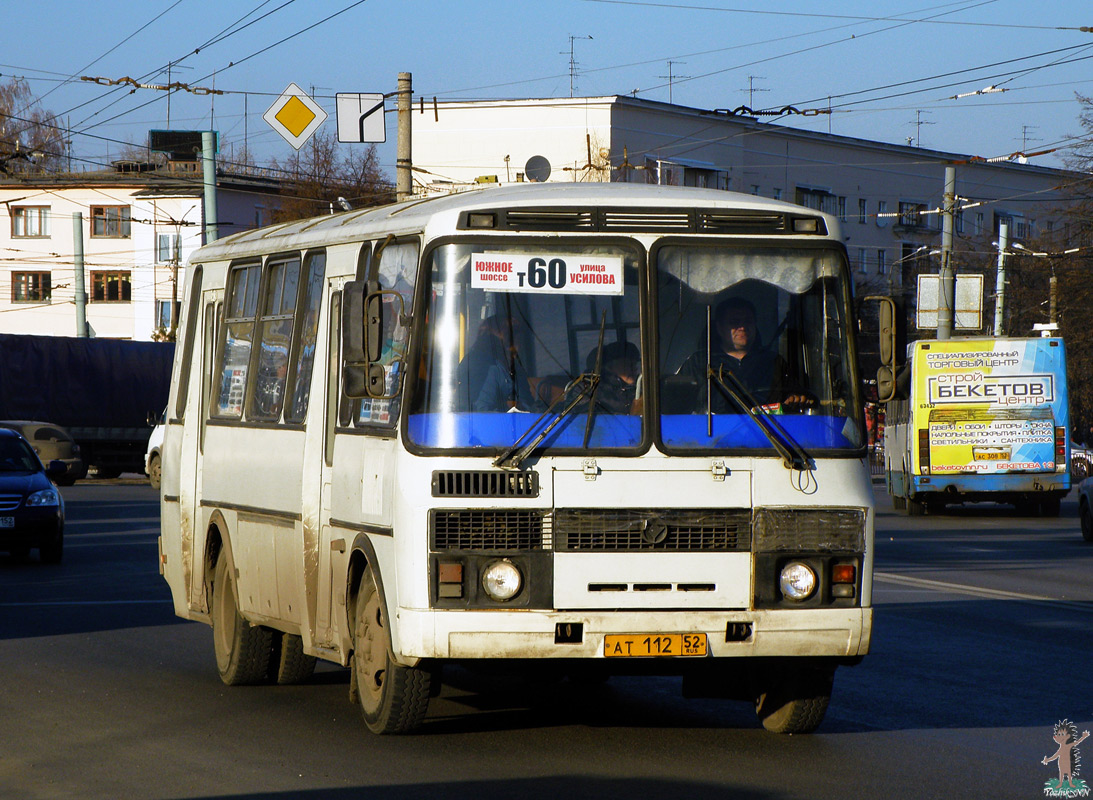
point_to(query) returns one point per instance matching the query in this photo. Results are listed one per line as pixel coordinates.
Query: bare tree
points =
(318, 176)
(31, 139)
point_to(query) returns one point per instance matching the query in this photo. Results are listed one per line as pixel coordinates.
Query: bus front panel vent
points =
(486, 483)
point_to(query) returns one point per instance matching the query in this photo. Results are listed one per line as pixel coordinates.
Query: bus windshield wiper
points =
(588, 382)
(795, 456)
(514, 456)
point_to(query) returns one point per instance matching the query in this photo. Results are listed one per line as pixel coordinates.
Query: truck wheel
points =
(1050, 507)
(795, 701)
(289, 664)
(242, 650)
(154, 471)
(915, 508)
(1087, 520)
(393, 698)
(899, 503)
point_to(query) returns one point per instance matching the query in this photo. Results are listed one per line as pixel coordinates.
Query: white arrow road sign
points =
(360, 118)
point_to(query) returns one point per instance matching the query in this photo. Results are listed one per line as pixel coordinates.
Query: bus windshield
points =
(510, 331)
(773, 323)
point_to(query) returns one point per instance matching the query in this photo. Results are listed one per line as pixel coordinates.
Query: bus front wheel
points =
(392, 698)
(242, 650)
(795, 700)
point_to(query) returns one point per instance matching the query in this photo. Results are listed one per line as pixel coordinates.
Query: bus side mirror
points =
(889, 320)
(363, 373)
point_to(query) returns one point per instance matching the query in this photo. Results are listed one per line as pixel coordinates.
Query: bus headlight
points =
(797, 581)
(502, 580)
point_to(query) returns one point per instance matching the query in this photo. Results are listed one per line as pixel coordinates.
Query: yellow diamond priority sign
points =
(295, 116)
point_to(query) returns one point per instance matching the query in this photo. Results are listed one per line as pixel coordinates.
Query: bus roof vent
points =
(646, 220)
(546, 219)
(489, 483)
(740, 222)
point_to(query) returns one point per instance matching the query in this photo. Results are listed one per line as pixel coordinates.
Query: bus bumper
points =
(843, 632)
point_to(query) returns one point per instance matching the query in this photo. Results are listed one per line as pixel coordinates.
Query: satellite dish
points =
(537, 169)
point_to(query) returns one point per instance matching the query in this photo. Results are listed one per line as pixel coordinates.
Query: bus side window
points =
(304, 347)
(274, 338)
(189, 331)
(396, 272)
(235, 348)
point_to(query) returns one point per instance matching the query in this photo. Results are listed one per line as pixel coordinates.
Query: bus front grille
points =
(488, 530)
(628, 530)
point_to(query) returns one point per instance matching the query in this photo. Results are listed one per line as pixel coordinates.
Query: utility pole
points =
(946, 295)
(208, 163)
(403, 160)
(1000, 277)
(78, 269)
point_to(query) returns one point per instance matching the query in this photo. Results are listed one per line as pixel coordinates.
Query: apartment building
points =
(136, 224)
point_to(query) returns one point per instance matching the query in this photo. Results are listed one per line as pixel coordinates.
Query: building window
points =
(111, 287)
(110, 221)
(863, 261)
(816, 199)
(912, 215)
(979, 222)
(882, 213)
(777, 194)
(30, 287)
(163, 313)
(841, 205)
(30, 221)
(882, 262)
(168, 248)
(862, 210)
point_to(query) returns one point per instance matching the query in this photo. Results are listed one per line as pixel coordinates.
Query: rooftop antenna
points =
(751, 90)
(670, 77)
(573, 62)
(1025, 138)
(918, 123)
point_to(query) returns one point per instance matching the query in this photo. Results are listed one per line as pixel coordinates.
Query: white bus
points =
(613, 428)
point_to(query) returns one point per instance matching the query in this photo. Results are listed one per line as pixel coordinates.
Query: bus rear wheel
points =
(1087, 520)
(794, 700)
(242, 650)
(289, 664)
(392, 698)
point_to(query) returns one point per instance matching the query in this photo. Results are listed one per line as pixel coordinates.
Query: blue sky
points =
(891, 70)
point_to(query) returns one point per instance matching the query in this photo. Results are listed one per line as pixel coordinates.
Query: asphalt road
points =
(983, 641)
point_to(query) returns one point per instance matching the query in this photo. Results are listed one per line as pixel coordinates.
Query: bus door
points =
(194, 525)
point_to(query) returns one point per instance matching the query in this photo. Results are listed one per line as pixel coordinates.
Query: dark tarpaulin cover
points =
(74, 382)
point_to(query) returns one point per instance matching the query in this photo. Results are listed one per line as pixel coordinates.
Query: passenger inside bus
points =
(492, 375)
(620, 380)
(736, 348)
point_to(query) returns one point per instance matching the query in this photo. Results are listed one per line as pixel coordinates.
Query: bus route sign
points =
(547, 273)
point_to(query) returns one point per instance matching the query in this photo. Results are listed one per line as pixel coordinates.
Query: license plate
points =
(7, 522)
(654, 644)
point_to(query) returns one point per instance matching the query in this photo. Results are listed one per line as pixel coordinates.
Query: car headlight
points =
(797, 581)
(46, 497)
(502, 580)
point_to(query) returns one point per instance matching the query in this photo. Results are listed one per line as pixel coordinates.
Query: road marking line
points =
(979, 591)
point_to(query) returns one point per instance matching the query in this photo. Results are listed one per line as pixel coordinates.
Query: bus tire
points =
(899, 503)
(154, 471)
(1050, 507)
(242, 650)
(392, 698)
(915, 508)
(795, 701)
(1087, 520)
(289, 664)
